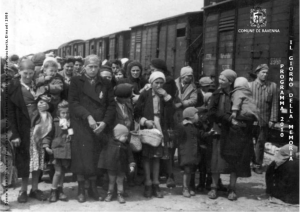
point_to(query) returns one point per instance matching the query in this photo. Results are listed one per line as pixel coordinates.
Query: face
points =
(68, 68)
(77, 66)
(119, 75)
(27, 75)
(92, 69)
(50, 71)
(223, 81)
(123, 138)
(64, 113)
(205, 88)
(135, 72)
(115, 68)
(106, 75)
(42, 103)
(157, 84)
(262, 74)
(187, 79)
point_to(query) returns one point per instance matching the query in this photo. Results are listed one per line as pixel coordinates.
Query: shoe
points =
(148, 191)
(61, 195)
(109, 196)
(213, 193)
(22, 197)
(93, 192)
(53, 195)
(37, 194)
(170, 182)
(186, 192)
(81, 192)
(232, 195)
(121, 198)
(192, 192)
(258, 170)
(156, 191)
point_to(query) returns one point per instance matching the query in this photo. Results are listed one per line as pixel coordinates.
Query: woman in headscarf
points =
(282, 176)
(232, 144)
(149, 110)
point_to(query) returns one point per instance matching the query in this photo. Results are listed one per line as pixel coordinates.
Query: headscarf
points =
(49, 59)
(132, 64)
(205, 81)
(92, 59)
(284, 153)
(120, 130)
(241, 82)
(27, 64)
(186, 71)
(156, 75)
(189, 112)
(229, 74)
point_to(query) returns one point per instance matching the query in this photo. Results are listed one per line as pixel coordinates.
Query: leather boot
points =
(53, 195)
(156, 192)
(81, 192)
(93, 192)
(61, 195)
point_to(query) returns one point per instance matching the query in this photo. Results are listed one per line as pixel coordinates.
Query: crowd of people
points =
(80, 115)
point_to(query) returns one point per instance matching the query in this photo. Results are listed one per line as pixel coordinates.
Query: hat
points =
(105, 68)
(260, 67)
(229, 74)
(123, 90)
(185, 71)
(159, 64)
(27, 64)
(120, 130)
(155, 75)
(189, 112)
(38, 59)
(205, 81)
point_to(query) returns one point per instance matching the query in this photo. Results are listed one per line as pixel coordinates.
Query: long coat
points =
(20, 123)
(84, 100)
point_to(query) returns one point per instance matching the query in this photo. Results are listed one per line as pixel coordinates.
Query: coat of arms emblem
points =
(258, 17)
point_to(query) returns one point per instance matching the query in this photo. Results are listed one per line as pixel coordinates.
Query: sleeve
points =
(40, 80)
(75, 107)
(56, 87)
(236, 99)
(139, 107)
(192, 101)
(111, 107)
(12, 118)
(48, 138)
(274, 110)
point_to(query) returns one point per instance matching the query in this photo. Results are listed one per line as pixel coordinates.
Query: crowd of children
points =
(150, 99)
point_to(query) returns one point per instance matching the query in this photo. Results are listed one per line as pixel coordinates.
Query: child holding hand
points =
(60, 149)
(115, 158)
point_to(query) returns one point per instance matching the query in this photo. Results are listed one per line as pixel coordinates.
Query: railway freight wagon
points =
(51, 50)
(67, 48)
(79, 49)
(241, 34)
(119, 45)
(177, 40)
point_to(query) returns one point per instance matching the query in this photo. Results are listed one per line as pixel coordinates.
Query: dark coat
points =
(20, 126)
(57, 141)
(116, 156)
(84, 100)
(283, 182)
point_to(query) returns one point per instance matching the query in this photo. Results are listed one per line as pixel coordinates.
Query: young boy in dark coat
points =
(115, 158)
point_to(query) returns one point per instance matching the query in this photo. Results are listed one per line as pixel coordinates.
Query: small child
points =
(115, 158)
(243, 105)
(50, 82)
(60, 138)
(188, 136)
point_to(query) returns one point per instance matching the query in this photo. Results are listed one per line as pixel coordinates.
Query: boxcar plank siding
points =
(171, 36)
(162, 41)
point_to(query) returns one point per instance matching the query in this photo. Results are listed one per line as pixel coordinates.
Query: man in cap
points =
(265, 96)
(205, 87)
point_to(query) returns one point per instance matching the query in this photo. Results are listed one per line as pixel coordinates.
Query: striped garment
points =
(266, 98)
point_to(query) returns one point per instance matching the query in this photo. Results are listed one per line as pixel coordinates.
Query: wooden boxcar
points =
(79, 49)
(177, 40)
(67, 48)
(51, 50)
(119, 45)
(232, 41)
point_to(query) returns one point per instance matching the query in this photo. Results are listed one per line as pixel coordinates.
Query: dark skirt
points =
(149, 151)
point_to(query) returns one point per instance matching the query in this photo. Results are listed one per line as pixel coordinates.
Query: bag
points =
(135, 142)
(152, 137)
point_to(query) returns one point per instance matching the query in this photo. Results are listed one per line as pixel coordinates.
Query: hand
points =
(48, 78)
(147, 87)
(233, 115)
(16, 142)
(234, 121)
(131, 169)
(178, 105)
(101, 127)
(149, 124)
(135, 98)
(68, 138)
(212, 132)
(271, 124)
(92, 122)
(49, 151)
(161, 92)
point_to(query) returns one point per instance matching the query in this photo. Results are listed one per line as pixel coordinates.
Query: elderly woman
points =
(22, 108)
(150, 109)
(92, 110)
(232, 144)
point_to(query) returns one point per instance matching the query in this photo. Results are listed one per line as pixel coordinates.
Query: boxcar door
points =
(181, 46)
(171, 40)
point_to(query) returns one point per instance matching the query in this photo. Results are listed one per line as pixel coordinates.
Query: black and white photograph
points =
(149, 105)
